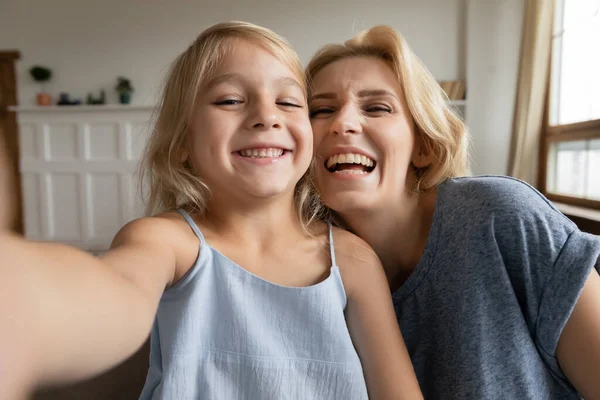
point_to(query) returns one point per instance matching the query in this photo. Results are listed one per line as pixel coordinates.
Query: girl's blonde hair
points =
(442, 132)
(170, 180)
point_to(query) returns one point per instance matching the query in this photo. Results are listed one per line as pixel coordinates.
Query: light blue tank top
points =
(222, 332)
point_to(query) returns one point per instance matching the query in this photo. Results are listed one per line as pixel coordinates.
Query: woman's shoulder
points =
(496, 188)
(502, 198)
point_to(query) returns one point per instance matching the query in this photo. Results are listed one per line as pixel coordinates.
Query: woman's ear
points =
(184, 155)
(422, 155)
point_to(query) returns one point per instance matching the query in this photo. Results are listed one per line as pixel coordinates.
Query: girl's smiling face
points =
(250, 134)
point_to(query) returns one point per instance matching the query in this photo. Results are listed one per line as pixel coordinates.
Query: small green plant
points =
(124, 89)
(40, 74)
(123, 86)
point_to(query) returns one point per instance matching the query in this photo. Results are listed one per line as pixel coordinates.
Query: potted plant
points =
(124, 89)
(41, 75)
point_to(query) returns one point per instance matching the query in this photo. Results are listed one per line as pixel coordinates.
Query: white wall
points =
(89, 43)
(493, 52)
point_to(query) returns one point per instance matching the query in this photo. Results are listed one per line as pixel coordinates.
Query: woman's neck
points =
(397, 232)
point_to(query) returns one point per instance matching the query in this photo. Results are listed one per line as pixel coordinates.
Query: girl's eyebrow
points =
(222, 78)
(287, 81)
(284, 80)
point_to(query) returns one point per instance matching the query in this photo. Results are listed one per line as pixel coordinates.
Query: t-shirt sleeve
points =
(576, 259)
(548, 260)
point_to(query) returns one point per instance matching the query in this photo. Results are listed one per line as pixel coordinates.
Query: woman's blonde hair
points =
(170, 181)
(442, 132)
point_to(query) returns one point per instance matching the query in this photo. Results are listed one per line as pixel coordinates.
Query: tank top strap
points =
(331, 246)
(335, 270)
(192, 224)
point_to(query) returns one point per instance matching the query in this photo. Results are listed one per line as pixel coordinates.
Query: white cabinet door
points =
(79, 173)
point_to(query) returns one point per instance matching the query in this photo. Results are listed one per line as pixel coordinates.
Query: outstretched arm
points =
(67, 315)
(76, 315)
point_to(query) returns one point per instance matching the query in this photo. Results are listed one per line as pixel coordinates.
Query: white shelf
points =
(83, 107)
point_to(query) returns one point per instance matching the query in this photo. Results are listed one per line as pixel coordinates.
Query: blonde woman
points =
(245, 293)
(497, 294)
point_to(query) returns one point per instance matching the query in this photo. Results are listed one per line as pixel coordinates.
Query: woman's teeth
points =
(262, 152)
(350, 163)
(351, 171)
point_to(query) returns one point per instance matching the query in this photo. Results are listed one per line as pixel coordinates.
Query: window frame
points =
(552, 134)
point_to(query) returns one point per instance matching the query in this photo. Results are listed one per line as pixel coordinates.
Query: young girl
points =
(246, 288)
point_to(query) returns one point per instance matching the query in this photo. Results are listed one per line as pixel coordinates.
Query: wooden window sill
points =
(587, 219)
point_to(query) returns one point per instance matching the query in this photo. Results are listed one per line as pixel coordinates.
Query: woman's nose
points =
(346, 122)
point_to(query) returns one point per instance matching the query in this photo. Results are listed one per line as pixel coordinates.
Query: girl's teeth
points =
(254, 153)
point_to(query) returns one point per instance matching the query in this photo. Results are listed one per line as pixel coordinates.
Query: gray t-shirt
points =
(500, 275)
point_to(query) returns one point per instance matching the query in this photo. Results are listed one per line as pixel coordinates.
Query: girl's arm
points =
(66, 315)
(372, 323)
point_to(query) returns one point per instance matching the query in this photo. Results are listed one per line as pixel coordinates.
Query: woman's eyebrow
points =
(326, 96)
(376, 92)
(362, 94)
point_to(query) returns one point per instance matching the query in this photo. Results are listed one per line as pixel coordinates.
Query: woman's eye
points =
(227, 102)
(320, 111)
(376, 109)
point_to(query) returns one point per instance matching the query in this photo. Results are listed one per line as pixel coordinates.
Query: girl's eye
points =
(227, 102)
(320, 111)
(289, 104)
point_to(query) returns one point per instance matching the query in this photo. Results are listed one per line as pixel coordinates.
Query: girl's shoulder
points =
(354, 258)
(349, 246)
(168, 231)
(168, 227)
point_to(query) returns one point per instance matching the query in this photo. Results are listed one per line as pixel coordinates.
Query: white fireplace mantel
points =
(78, 171)
(80, 108)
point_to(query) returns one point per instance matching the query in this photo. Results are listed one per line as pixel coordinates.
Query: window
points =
(570, 162)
